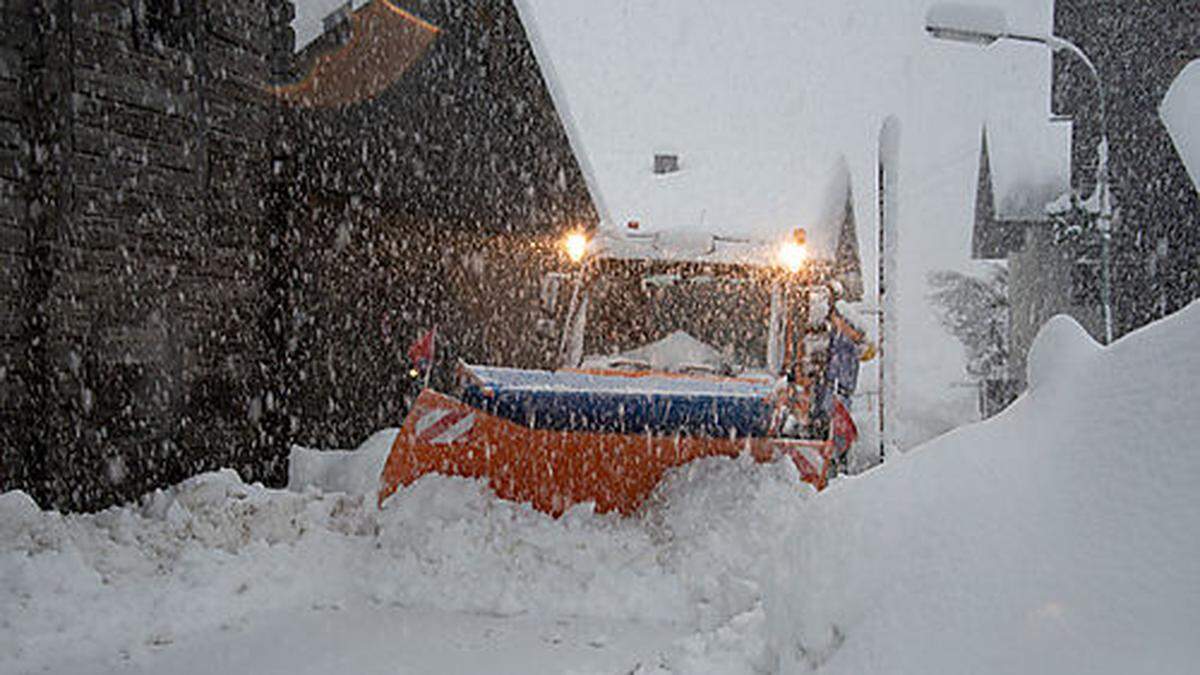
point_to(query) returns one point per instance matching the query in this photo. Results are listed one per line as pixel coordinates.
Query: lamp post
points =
(985, 26)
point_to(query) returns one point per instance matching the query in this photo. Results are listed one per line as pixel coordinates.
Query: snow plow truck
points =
(668, 351)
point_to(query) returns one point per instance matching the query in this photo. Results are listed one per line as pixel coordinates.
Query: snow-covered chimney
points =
(664, 164)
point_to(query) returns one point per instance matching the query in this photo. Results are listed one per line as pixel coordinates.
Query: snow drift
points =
(1060, 537)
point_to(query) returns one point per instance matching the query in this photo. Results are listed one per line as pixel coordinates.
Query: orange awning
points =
(385, 43)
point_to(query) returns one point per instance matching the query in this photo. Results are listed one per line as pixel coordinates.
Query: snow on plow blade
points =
(601, 460)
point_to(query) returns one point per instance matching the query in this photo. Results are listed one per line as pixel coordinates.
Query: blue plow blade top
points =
(656, 404)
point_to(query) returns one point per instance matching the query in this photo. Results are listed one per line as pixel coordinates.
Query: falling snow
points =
(819, 287)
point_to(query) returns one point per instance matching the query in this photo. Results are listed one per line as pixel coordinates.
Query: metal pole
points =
(1106, 249)
(432, 361)
(884, 215)
(889, 211)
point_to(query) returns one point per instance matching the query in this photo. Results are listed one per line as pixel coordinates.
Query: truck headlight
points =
(792, 256)
(576, 246)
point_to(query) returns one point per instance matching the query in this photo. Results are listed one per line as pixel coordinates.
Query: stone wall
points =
(145, 126)
(14, 168)
(467, 138)
(196, 276)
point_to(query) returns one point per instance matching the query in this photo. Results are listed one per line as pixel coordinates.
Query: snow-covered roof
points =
(633, 80)
(1181, 113)
(1030, 167)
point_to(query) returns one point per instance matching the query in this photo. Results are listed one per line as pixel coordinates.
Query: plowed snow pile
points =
(1063, 536)
(214, 553)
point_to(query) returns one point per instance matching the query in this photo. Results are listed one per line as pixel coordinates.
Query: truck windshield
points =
(632, 308)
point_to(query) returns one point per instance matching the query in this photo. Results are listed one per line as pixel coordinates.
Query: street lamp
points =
(984, 26)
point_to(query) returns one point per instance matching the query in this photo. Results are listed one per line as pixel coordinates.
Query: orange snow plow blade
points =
(554, 470)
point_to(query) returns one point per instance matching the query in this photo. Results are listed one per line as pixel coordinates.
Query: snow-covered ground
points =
(1060, 537)
(445, 579)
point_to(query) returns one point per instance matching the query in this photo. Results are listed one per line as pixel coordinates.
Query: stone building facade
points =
(1139, 49)
(196, 275)
(137, 138)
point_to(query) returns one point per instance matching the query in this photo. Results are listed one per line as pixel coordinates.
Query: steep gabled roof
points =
(725, 87)
(992, 239)
(1013, 195)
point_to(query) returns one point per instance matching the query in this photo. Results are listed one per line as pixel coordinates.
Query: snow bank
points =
(1059, 537)
(128, 579)
(1062, 347)
(212, 554)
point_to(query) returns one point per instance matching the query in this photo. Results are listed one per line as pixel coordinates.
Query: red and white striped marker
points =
(443, 427)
